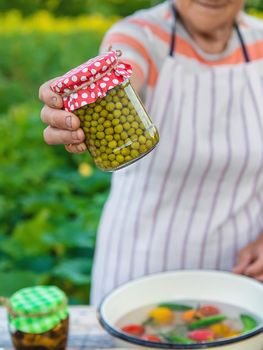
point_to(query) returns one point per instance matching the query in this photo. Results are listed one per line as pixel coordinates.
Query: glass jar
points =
(38, 319)
(54, 339)
(117, 128)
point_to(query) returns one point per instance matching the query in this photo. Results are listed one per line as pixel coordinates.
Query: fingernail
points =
(77, 135)
(81, 147)
(69, 121)
(247, 272)
(54, 101)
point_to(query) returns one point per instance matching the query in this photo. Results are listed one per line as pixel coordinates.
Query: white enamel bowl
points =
(182, 285)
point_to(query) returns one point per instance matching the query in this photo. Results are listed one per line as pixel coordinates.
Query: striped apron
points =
(197, 199)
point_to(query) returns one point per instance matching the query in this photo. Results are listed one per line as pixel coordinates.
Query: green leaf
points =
(27, 237)
(14, 280)
(249, 323)
(173, 338)
(76, 271)
(176, 307)
(207, 321)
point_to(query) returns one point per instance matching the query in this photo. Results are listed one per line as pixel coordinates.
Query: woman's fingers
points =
(76, 148)
(49, 97)
(260, 278)
(245, 257)
(255, 268)
(250, 260)
(63, 127)
(59, 118)
(54, 136)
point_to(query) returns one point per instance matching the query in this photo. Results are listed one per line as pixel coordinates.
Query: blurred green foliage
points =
(49, 212)
(29, 60)
(254, 5)
(77, 7)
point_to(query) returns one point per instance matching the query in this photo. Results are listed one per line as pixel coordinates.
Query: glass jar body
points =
(118, 129)
(54, 339)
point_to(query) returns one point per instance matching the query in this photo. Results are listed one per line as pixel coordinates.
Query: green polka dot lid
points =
(37, 309)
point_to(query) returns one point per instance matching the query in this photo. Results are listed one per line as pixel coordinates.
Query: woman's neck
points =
(212, 43)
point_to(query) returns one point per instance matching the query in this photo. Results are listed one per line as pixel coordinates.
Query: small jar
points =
(38, 319)
(118, 130)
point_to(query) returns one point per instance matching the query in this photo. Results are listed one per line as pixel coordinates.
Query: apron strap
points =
(173, 37)
(243, 45)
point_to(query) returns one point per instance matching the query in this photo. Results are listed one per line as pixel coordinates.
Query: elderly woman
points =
(196, 202)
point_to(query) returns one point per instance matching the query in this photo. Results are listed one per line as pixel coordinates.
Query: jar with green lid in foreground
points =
(117, 127)
(38, 318)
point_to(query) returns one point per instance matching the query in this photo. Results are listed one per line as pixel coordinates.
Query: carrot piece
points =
(188, 316)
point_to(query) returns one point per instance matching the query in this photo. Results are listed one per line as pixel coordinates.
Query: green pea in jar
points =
(117, 127)
(38, 318)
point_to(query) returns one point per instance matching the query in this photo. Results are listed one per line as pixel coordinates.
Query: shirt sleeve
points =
(251, 21)
(134, 44)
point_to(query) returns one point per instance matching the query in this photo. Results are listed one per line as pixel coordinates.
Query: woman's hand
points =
(63, 127)
(250, 260)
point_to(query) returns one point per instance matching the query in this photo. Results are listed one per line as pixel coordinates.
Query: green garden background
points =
(50, 201)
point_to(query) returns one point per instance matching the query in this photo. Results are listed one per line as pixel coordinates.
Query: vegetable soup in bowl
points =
(186, 310)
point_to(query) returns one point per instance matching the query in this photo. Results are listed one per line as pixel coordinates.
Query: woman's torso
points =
(196, 200)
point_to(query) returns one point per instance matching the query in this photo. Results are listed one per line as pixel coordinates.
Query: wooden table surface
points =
(85, 331)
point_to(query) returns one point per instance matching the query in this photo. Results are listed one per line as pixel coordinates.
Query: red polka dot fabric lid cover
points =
(91, 80)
